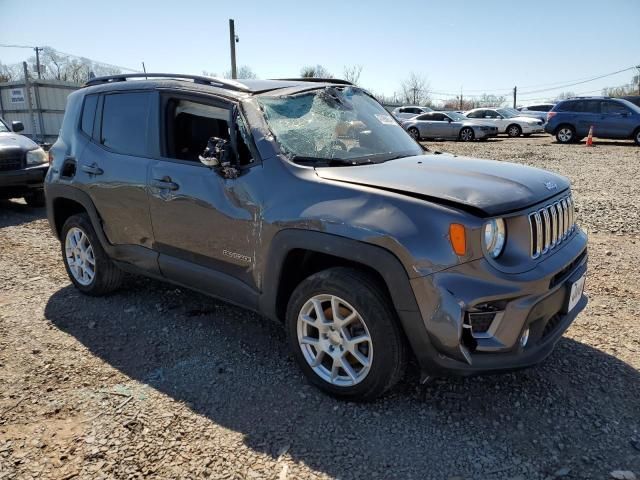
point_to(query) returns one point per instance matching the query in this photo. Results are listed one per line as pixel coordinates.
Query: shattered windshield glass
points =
(336, 125)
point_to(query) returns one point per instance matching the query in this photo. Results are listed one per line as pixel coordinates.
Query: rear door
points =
(112, 168)
(441, 125)
(616, 120)
(588, 116)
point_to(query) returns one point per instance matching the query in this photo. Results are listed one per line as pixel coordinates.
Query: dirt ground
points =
(159, 382)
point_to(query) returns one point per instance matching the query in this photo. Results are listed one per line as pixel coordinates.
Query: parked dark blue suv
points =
(615, 118)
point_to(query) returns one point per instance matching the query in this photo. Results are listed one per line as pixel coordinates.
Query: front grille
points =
(551, 225)
(12, 162)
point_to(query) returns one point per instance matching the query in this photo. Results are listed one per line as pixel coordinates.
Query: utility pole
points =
(27, 87)
(232, 44)
(460, 107)
(38, 50)
(638, 77)
(515, 91)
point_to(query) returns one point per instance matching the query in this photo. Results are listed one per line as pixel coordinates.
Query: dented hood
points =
(486, 187)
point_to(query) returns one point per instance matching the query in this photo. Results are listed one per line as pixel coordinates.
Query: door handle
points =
(165, 183)
(92, 169)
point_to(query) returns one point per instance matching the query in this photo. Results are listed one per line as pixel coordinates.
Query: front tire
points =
(514, 130)
(466, 134)
(414, 133)
(345, 336)
(87, 264)
(636, 136)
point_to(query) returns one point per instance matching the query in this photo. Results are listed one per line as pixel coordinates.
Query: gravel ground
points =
(160, 382)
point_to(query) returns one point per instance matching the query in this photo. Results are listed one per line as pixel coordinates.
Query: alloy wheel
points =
(414, 133)
(80, 256)
(466, 134)
(334, 340)
(565, 135)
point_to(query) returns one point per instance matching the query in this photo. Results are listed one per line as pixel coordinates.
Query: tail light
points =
(550, 115)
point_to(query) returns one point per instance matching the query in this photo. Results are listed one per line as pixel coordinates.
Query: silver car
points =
(538, 110)
(450, 125)
(508, 120)
(409, 111)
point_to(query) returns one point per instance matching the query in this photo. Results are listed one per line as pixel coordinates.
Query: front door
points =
(616, 120)
(205, 226)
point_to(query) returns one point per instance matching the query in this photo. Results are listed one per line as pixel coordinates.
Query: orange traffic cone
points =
(590, 137)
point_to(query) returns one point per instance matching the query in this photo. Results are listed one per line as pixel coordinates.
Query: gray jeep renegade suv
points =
(305, 201)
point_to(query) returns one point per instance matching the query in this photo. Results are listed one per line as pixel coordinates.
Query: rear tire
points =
(466, 134)
(35, 199)
(514, 130)
(414, 133)
(320, 342)
(87, 264)
(566, 134)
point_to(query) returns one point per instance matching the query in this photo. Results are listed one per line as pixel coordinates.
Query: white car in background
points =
(508, 120)
(538, 110)
(409, 111)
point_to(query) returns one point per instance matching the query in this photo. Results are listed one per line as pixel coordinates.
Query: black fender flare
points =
(143, 258)
(57, 191)
(379, 259)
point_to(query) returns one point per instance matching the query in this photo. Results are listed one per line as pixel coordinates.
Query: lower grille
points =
(552, 324)
(13, 162)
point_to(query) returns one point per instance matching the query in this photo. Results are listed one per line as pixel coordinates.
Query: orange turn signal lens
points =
(458, 238)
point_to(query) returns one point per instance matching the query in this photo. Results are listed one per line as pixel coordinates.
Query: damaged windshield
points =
(334, 126)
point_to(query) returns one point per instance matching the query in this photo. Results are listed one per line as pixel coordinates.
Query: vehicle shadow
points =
(235, 368)
(13, 213)
(608, 143)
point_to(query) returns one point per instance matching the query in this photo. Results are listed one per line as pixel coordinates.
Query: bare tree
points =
(565, 95)
(58, 66)
(10, 73)
(415, 89)
(351, 73)
(244, 71)
(317, 71)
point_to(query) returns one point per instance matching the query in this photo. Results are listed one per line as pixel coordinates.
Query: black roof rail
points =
(317, 80)
(216, 82)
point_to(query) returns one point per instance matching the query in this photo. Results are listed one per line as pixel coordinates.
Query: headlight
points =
(494, 236)
(36, 157)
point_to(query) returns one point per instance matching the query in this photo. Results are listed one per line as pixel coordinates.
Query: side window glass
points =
(190, 125)
(614, 107)
(592, 106)
(426, 116)
(438, 117)
(89, 114)
(125, 119)
(475, 114)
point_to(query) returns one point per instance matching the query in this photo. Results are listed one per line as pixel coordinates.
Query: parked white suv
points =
(508, 120)
(409, 111)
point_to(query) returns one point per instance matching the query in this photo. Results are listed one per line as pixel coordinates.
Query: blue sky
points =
(477, 45)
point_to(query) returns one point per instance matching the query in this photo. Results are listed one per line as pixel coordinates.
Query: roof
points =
(233, 88)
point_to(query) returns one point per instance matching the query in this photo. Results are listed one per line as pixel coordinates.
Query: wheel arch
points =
(283, 271)
(64, 201)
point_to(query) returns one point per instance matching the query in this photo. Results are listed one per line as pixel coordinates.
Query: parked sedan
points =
(448, 125)
(538, 110)
(409, 111)
(508, 120)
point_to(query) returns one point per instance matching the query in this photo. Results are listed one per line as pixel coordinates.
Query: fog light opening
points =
(524, 338)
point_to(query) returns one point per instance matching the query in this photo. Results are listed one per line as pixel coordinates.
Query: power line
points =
(74, 56)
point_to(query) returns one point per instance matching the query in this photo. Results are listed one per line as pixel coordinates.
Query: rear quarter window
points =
(88, 114)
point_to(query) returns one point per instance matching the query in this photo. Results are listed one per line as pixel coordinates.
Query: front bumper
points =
(18, 182)
(534, 300)
(480, 134)
(532, 129)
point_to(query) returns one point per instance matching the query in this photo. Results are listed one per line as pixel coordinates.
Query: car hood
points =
(12, 141)
(483, 187)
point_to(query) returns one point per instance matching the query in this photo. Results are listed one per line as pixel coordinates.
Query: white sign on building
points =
(17, 95)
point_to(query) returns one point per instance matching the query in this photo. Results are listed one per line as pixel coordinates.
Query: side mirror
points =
(217, 153)
(17, 126)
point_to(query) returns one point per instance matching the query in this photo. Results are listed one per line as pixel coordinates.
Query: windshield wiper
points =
(330, 162)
